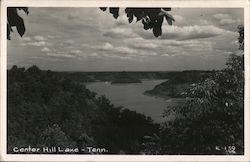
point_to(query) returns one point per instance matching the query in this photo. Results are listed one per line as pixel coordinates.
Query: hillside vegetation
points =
(212, 121)
(46, 109)
(178, 83)
(124, 77)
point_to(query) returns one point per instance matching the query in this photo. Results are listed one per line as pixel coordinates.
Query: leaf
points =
(147, 25)
(138, 13)
(20, 26)
(11, 15)
(103, 8)
(167, 9)
(114, 11)
(8, 31)
(25, 9)
(169, 21)
(169, 18)
(157, 31)
(157, 27)
(153, 13)
(15, 20)
(130, 14)
(139, 17)
(151, 17)
(130, 19)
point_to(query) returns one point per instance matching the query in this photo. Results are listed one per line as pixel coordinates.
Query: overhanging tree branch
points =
(14, 20)
(151, 18)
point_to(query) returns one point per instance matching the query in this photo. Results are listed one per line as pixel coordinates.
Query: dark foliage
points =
(124, 77)
(241, 37)
(151, 18)
(49, 109)
(14, 20)
(178, 83)
(212, 120)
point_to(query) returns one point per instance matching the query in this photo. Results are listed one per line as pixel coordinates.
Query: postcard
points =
(124, 80)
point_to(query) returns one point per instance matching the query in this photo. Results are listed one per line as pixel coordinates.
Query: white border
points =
(122, 3)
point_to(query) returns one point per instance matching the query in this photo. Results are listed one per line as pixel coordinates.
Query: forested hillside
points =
(212, 121)
(46, 109)
(178, 83)
(124, 77)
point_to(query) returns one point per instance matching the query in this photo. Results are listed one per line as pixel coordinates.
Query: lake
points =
(131, 97)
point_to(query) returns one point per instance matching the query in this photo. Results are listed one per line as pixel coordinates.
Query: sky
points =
(88, 39)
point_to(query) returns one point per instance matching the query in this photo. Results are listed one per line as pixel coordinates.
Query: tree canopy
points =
(151, 18)
(212, 120)
(14, 20)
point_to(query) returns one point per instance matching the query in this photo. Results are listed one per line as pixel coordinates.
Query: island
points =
(124, 77)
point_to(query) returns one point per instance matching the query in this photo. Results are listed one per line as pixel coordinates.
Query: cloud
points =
(204, 22)
(144, 45)
(192, 32)
(122, 20)
(117, 56)
(118, 52)
(222, 16)
(39, 38)
(94, 54)
(229, 21)
(51, 36)
(146, 48)
(106, 46)
(120, 32)
(170, 47)
(94, 36)
(120, 49)
(226, 19)
(125, 50)
(192, 45)
(75, 52)
(45, 49)
(144, 53)
(37, 41)
(70, 41)
(40, 43)
(165, 54)
(178, 18)
(60, 55)
(37, 44)
(27, 39)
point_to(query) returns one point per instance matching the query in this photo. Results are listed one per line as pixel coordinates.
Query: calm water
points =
(131, 96)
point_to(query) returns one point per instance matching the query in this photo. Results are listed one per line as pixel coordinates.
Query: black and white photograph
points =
(125, 80)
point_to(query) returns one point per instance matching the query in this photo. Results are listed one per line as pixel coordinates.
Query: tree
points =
(54, 136)
(14, 20)
(151, 18)
(212, 121)
(241, 37)
(47, 108)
